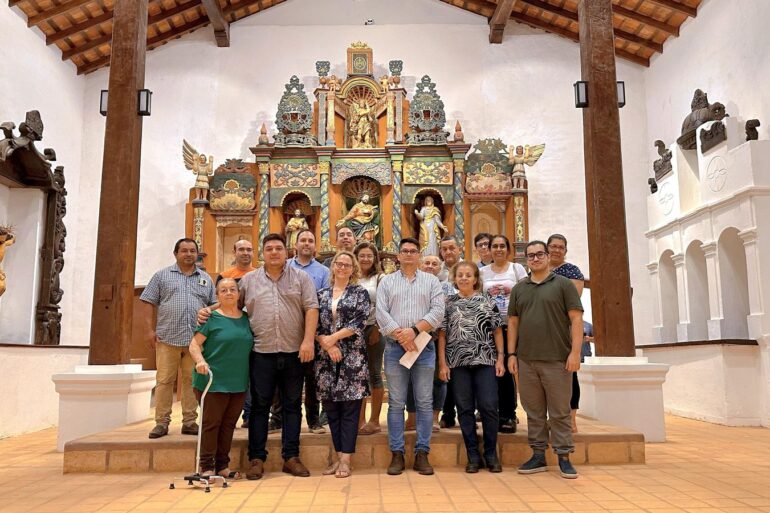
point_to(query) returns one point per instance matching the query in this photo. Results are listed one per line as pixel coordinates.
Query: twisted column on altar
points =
(264, 202)
(397, 167)
(458, 192)
(324, 169)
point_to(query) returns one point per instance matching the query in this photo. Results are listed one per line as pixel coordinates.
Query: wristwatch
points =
(416, 331)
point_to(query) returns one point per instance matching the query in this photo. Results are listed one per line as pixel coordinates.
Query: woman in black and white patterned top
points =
(470, 348)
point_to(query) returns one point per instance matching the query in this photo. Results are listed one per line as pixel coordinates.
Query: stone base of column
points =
(626, 391)
(96, 398)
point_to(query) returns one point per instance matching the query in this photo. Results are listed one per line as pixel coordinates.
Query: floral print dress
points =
(347, 380)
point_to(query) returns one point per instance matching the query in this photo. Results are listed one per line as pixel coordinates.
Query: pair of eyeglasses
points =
(499, 246)
(536, 256)
(409, 251)
(342, 265)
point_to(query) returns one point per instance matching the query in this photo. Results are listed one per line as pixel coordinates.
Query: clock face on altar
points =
(360, 64)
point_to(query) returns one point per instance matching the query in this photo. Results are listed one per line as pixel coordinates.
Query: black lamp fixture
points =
(581, 94)
(144, 101)
(103, 102)
(621, 94)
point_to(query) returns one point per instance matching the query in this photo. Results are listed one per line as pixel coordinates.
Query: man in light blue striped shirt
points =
(409, 302)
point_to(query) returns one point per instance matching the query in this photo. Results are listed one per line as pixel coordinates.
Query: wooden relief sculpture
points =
(363, 125)
(519, 156)
(362, 219)
(6, 240)
(701, 112)
(201, 167)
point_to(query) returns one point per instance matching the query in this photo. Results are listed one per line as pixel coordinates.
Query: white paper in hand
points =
(411, 356)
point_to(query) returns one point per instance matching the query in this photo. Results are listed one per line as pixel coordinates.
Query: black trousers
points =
(312, 405)
(270, 371)
(574, 401)
(343, 423)
(506, 391)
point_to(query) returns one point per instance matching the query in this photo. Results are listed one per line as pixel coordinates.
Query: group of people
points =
(451, 336)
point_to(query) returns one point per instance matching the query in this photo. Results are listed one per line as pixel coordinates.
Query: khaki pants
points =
(545, 389)
(169, 359)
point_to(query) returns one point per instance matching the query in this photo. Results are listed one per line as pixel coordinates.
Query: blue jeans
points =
(475, 386)
(421, 378)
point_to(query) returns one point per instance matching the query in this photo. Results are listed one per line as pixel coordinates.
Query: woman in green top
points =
(222, 345)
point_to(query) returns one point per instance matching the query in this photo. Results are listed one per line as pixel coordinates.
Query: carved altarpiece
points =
(23, 166)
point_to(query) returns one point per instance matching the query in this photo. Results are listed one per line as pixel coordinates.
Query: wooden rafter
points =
(543, 25)
(89, 45)
(62, 8)
(681, 8)
(78, 28)
(218, 21)
(498, 20)
(619, 33)
(647, 20)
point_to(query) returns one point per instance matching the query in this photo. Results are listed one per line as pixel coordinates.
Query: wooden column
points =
(112, 310)
(607, 243)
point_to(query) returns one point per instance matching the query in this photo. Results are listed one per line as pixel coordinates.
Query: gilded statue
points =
(295, 225)
(519, 156)
(202, 168)
(431, 227)
(362, 125)
(362, 220)
(6, 239)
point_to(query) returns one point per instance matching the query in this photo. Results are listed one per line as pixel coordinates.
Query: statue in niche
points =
(202, 168)
(431, 227)
(362, 125)
(295, 225)
(6, 239)
(519, 156)
(362, 219)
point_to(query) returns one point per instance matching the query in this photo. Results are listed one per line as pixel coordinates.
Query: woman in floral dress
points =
(341, 369)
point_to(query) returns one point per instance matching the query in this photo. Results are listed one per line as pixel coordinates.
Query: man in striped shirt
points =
(409, 302)
(177, 292)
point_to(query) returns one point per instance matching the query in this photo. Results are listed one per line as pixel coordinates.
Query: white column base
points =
(626, 391)
(97, 398)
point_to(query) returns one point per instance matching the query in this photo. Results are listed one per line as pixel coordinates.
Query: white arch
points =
(668, 297)
(697, 291)
(735, 284)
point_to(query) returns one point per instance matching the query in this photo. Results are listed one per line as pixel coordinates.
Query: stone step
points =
(128, 449)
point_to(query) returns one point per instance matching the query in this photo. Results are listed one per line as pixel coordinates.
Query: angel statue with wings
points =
(523, 155)
(201, 166)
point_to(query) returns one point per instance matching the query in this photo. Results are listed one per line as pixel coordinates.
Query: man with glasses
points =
(176, 294)
(545, 335)
(481, 242)
(409, 302)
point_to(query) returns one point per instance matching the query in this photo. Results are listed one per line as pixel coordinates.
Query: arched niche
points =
(697, 291)
(734, 282)
(668, 296)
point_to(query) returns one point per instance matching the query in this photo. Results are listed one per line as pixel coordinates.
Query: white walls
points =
(29, 401)
(35, 78)
(723, 52)
(520, 91)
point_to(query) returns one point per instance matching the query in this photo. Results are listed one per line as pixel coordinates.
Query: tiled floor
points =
(703, 467)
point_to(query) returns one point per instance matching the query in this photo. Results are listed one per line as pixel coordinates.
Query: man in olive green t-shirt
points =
(545, 334)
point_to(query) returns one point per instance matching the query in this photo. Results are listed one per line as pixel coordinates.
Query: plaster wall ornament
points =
(666, 199)
(716, 174)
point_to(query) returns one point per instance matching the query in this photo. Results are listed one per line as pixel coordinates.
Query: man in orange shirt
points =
(244, 253)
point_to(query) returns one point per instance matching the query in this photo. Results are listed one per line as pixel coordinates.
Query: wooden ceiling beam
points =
(62, 8)
(619, 33)
(176, 32)
(94, 65)
(498, 20)
(89, 45)
(544, 25)
(679, 7)
(642, 18)
(77, 28)
(218, 21)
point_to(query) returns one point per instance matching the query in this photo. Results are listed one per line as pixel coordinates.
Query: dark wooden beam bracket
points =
(498, 20)
(218, 21)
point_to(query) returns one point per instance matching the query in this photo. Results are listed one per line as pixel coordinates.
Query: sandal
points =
(369, 429)
(343, 470)
(331, 469)
(230, 474)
